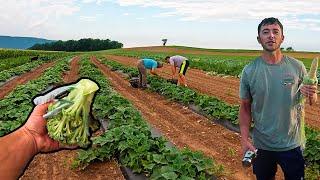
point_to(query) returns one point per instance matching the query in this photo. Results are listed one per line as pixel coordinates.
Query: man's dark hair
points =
(167, 58)
(159, 64)
(268, 21)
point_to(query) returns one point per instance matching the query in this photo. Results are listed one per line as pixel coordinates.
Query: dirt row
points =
(182, 126)
(6, 88)
(224, 88)
(53, 166)
(208, 52)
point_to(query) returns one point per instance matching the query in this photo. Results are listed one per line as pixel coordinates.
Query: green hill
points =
(20, 42)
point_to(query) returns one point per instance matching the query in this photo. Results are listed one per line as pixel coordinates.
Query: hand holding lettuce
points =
(311, 78)
(70, 126)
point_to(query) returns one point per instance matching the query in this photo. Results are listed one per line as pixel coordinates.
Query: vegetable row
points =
(16, 106)
(216, 109)
(129, 139)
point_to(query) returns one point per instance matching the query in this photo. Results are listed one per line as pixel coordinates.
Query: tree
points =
(289, 49)
(88, 44)
(164, 42)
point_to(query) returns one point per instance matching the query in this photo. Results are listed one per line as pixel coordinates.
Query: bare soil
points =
(183, 127)
(208, 52)
(56, 166)
(72, 75)
(224, 88)
(6, 88)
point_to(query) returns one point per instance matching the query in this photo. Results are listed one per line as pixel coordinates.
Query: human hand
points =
(309, 91)
(247, 145)
(36, 126)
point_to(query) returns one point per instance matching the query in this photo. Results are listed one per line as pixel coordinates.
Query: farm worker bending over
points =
(178, 62)
(143, 65)
(270, 97)
(19, 147)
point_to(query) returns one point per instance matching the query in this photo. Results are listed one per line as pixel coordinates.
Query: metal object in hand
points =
(248, 157)
(54, 95)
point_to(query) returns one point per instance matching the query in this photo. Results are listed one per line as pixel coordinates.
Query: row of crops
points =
(13, 58)
(13, 62)
(14, 71)
(128, 137)
(130, 140)
(13, 53)
(15, 107)
(217, 109)
(215, 64)
(228, 65)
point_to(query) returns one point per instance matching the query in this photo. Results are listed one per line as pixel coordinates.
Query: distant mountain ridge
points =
(21, 42)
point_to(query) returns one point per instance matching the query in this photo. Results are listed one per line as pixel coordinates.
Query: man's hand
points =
(310, 91)
(36, 127)
(246, 145)
(20, 146)
(153, 72)
(173, 70)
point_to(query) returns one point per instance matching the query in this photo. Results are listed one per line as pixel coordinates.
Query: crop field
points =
(163, 132)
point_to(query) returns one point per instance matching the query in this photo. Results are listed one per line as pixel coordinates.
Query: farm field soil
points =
(224, 88)
(72, 75)
(208, 52)
(183, 127)
(56, 166)
(6, 88)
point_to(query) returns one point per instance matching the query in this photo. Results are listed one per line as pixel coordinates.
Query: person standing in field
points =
(180, 62)
(143, 65)
(269, 92)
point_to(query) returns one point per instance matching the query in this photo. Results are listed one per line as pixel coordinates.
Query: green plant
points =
(16, 106)
(71, 125)
(219, 110)
(129, 139)
(231, 152)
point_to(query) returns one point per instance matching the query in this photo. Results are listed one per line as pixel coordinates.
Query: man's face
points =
(270, 37)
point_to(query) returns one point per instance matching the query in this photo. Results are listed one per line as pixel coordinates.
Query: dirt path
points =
(72, 75)
(6, 88)
(208, 52)
(224, 88)
(56, 166)
(182, 126)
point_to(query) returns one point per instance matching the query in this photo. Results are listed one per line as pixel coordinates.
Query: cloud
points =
(33, 16)
(98, 2)
(88, 18)
(88, 1)
(230, 10)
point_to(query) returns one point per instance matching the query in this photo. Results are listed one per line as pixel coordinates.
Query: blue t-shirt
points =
(150, 63)
(275, 108)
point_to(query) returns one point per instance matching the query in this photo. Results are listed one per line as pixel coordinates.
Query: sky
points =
(219, 24)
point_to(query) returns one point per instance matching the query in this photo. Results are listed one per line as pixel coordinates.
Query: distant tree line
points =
(80, 45)
(287, 49)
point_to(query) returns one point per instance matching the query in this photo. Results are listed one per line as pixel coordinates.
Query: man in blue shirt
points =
(143, 65)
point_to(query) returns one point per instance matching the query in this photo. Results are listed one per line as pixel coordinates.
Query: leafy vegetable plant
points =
(71, 125)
